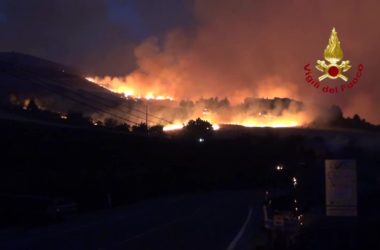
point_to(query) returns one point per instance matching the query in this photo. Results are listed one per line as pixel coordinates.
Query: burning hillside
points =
(174, 113)
(179, 81)
(58, 90)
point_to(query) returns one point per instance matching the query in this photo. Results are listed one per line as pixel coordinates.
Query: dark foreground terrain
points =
(96, 169)
(219, 220)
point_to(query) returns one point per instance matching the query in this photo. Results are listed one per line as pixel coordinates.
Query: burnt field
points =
(90, 165)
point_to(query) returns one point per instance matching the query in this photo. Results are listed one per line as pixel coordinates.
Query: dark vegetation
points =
(198, 128)
(333, 118)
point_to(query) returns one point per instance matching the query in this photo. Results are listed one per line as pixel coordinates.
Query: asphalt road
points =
(223, 220)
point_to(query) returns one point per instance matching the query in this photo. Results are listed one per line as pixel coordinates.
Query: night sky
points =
(97, 36)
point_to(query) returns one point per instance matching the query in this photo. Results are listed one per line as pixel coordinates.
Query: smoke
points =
(252, 112)
(244, 48)
(258, 48)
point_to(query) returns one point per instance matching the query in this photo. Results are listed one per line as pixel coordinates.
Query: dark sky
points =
(98, 36)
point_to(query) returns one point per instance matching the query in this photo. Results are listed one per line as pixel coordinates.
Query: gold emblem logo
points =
(333, 55)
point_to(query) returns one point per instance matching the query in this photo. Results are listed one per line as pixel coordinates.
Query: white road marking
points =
(241, 232)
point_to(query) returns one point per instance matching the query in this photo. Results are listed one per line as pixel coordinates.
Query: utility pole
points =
(146, 116)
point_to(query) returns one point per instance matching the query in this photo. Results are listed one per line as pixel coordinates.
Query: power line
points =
(60, 87)
(73, 99)
(103, 98)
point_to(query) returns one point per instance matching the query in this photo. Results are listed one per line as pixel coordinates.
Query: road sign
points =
(341, 193)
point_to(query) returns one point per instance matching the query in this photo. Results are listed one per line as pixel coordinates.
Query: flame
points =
(215, 117)
(274, 124)
(122, 87)
(249, 123)
(173, 127)
(333, 52)
(215, 126)
(179, 126)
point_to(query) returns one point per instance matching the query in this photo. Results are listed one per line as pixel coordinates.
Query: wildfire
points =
(249, 124)
(127, 91)
(273, 122)
(234, 116)
(172, 127)
(215, 126)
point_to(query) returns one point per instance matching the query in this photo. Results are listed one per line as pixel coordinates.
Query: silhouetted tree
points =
(140, 128)
(335, 113)
(198, 127)
(111, 123)
(124, 127)
(356, 118)
(331, 117)
(156, 130)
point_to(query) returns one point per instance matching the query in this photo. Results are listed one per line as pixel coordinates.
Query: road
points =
(219, 220)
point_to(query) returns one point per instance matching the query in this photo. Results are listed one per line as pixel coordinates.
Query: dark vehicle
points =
(282, 219)
(282, 211)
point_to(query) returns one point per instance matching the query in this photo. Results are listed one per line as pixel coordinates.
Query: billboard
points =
(341, 193)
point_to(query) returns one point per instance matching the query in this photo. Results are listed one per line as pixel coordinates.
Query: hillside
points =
(54, 86)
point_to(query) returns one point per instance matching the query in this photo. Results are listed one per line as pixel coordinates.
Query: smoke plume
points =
(258, 49)
(234, 49)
